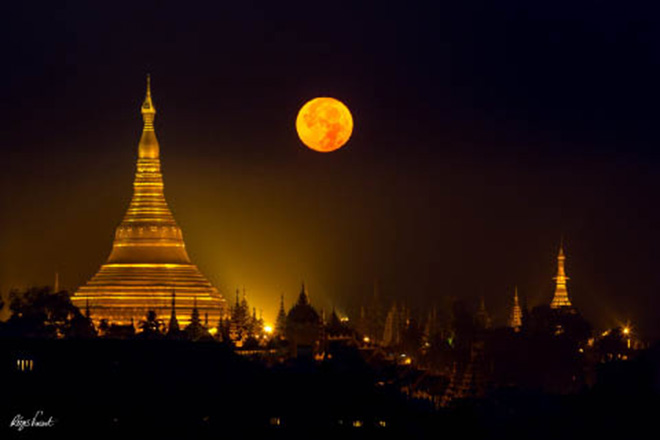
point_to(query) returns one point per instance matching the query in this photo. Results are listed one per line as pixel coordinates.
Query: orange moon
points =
(324, 124)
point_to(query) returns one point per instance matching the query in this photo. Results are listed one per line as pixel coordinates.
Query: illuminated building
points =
(560, 299)
(148, 260)
(515, 319)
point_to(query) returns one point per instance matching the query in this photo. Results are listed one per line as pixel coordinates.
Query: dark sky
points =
(483, 132)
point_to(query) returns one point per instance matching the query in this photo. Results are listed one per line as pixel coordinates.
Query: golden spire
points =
(515, 319)
(148, 109)
(148, 148)
(561, 294)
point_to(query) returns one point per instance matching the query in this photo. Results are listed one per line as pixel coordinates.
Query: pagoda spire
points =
(515, 319)
(561, 294)
(280, 324)
(173, 326)
(148, 148)
(195, 311)
(303, 298)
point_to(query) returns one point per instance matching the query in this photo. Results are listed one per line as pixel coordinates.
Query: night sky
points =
(483, 133)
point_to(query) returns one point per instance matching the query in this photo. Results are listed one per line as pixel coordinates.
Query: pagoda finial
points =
(149, 148)
(148, 110)
(173, 327)
(303, 298)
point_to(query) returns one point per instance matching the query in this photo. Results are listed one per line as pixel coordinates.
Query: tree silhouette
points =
(196, 330)
(38, 312)
(150, 327)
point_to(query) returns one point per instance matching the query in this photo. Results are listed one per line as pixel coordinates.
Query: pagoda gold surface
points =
(561, 294)
(148, 262)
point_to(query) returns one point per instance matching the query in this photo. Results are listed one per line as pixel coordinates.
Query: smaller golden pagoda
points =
(515, 319)
(560, 299)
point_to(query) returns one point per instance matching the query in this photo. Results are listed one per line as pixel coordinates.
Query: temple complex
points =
(148, 263)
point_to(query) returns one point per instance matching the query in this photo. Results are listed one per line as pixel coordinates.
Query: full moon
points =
(324, 124)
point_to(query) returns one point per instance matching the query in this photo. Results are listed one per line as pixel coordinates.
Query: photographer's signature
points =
(38, 421)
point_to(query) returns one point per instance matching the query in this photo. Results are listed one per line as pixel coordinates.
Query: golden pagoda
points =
(515, 319)
(561, 294)
(148, 262)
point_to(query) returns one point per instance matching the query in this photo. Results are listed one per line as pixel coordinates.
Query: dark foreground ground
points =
(166, 389)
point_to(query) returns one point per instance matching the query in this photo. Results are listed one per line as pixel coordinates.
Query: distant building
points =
(280, 322)
(392, 330)
(335, 329)
(560, 300)
(482, 318)
(303, 327)
(515, 318)
(195, 330)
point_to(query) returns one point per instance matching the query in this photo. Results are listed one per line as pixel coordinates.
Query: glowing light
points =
(24, 364)
(626, 331)
(268, 329)
(324, 124)
(366, 339)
